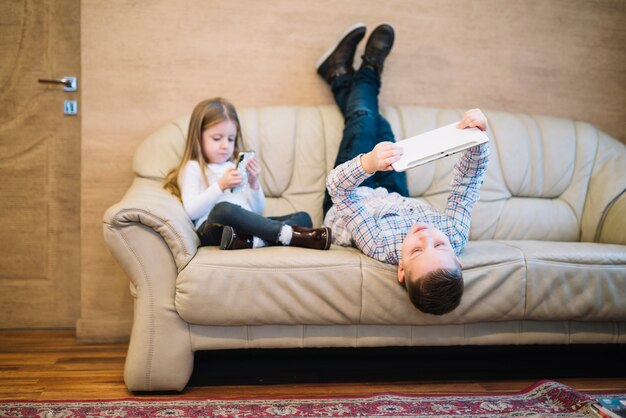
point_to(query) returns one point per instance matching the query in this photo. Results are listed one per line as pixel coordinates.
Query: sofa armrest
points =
(147, 203)
(612, 228)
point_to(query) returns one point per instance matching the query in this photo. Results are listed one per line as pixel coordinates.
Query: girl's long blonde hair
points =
(206, 114)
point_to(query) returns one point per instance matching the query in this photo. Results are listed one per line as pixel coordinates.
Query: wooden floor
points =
(46, 365)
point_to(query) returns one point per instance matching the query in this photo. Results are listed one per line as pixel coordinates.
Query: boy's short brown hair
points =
(437, 292)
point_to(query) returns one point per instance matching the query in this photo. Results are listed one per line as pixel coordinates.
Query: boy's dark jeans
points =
(357, 98)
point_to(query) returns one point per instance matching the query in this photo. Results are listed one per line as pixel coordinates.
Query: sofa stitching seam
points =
(605, 213)
(524, 259)
(361, 290)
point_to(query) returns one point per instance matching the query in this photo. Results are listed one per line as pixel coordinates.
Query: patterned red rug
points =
(543, 399)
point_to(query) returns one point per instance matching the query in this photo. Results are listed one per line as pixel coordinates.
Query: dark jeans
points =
(246, 222)
(357, 98)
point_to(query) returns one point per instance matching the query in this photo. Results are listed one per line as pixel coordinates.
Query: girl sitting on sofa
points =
(225, 210)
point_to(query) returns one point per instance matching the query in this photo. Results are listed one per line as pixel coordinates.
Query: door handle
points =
(70, 107)
(69, 83)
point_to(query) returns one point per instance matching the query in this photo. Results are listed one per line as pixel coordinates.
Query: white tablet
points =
(435, 144)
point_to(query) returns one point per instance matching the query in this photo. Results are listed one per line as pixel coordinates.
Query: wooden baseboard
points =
(103, 330)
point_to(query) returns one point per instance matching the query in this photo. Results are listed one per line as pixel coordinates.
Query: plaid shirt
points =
(376, 221)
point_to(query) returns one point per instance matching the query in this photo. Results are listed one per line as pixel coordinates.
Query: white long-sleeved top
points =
(199, 200)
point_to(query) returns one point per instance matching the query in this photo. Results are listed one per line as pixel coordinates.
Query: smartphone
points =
(242, 162)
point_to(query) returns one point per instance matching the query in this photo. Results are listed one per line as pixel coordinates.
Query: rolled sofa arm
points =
(151, 236)
(612, 228)
(147, 203)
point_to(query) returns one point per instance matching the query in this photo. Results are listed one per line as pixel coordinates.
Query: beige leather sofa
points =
(546, 263)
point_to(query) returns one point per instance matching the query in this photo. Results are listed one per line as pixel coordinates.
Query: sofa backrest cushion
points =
(536, 187)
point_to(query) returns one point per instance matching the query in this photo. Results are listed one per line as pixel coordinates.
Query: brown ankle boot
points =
(231, 240)
(314, 238)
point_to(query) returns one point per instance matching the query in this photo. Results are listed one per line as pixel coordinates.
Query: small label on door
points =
(70, 107)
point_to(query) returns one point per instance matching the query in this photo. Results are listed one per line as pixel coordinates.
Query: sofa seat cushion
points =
(273, 285)
(494, 278)
(280, 285)
(574, 280)
(504, 281)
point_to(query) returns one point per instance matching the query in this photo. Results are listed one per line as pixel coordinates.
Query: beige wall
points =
(148, 61)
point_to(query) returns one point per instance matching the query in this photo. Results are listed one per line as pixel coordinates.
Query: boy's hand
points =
(473, 118)
(381, 157)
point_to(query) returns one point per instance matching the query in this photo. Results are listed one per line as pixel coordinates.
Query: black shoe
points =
(210, 234)
(231, 240)
(378, 47)
(314, 238)
(337, 60)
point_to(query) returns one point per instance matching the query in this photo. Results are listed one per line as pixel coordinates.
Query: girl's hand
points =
(473, 118)
(254, 173)
(381, 157)
(230, 179)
